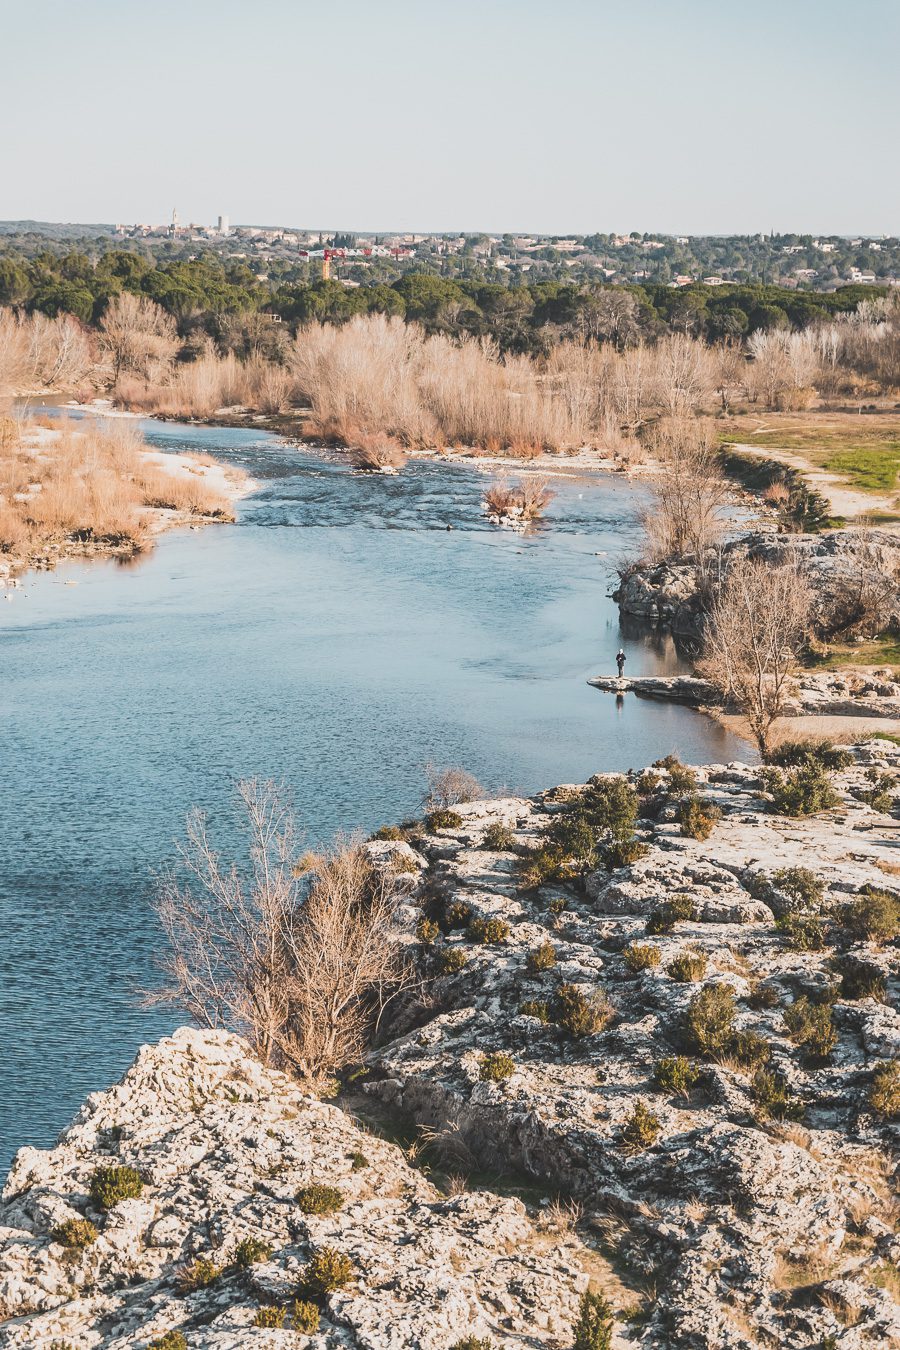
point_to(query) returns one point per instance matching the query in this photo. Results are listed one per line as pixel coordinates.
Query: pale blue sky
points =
(673, 115)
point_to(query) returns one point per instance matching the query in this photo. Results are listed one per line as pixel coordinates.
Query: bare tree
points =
(449, 787)
(685, 518)
(757, 621)
(300, 959)
(139, 336)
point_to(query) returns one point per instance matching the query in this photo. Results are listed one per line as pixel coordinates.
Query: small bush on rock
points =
(327, 1271)
(676, 1075)
(270, 1316)
(709, 1022)
(648, 782)
(250, 1251)
(698, 818)
(641, 1129)
(427, 931)
(874, 917)
(622, 853)
(681, 778)
(640, 956)
(496, 1067)
(443, 820)
(452, 961)
(804, 791)
(801, 890)
(542, 958)
(594, 1328)
(489, 932)
(884, 1094)
(388, 832)
(578, 1013)
(173, 1340)
(688, 967)
(498, 838)
(473, 1343)
(750, 1050)
(305, 1317)
(860, 979)
(773, 1096)
(764, 996)
(109, 1185)
(199, 1274)
(534, 1007)
(457, 915)
(75, 1234)
(680, 909)
(810, 1026)
(796, 754)
(318, 1199)
(803, 934)
(880, 796)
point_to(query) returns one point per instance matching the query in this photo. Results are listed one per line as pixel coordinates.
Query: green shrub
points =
(391, 832)
(802, 934)
(542, 958)
(773, 1096)
(750, 1050)
(819, 754)
(676, 1075)
(764, 996)
(489, 932)
(681, 779)
(443, 819)
(595, 826)
(498, 838)
(319, 1199)
(198, 1274)
(800, 890)
(358, 1161)
(327, 1271)
(680, 909)
(305, 1317)
(173, 1340)
(709, 1021)
(880, 796)
(109, 1185)
(270, 1316)
(640, 956)
(810, 1026)
(578, 1013)
(860, 979)
(250, 1251)
(641, 1129)
(546, 862)
(594, 1328)
(648, 783)
(622, 853)
(496, 1067)
(452, 960)
(426, 931)
(457, 915)
(698, 818)
(688, 967)
(533, 1007)
(75, 1234)
(803, 791)
(473, 1343)
(884, 1094)
(874, 917)
(556, 906)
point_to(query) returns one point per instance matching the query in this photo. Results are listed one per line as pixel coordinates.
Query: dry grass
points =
(79, 490)
(525, 500)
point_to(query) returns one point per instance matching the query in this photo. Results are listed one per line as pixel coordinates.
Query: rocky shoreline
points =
(845, 693)
(730, 1183)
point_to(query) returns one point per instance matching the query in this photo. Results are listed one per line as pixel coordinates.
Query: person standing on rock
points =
(620, 662)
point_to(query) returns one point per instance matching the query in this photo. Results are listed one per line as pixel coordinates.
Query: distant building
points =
(223, 225)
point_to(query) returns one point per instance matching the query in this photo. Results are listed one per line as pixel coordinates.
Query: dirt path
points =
(851, 503)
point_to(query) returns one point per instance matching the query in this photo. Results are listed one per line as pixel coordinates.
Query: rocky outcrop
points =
(223, 1147)
(749, 1204)
(843, 693)
(842, 565)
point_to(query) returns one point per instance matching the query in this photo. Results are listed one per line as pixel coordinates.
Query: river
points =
(337, 638)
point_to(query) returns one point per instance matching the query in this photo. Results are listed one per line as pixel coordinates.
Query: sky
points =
(676, 116)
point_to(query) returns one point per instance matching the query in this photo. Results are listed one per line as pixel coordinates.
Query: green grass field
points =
(874, 469)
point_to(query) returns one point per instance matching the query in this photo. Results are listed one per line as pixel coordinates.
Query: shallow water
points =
(336, 638)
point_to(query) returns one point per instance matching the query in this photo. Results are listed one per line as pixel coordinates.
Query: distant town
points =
(804, 262)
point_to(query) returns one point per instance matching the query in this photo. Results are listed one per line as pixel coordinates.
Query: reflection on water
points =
(337, 638)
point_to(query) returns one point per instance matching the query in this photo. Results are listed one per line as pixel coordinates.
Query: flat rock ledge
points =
(844, 693)
(223, 1146)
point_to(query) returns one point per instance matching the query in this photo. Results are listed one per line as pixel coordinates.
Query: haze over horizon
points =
(503, 118)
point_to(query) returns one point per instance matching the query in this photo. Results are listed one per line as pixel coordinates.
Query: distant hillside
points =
(54, 229)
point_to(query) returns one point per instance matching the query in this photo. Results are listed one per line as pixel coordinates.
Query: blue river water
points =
(336, 638)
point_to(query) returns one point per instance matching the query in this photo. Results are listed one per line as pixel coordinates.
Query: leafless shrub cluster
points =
(41, 353)
(684, 519)
(303, 960)
(449, 787)
(525, 500)
(87, 485)
(758, 619)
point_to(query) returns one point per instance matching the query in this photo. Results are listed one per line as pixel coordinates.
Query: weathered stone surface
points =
(844, 693)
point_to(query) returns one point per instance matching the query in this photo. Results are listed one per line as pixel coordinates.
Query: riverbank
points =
(693, 1051)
